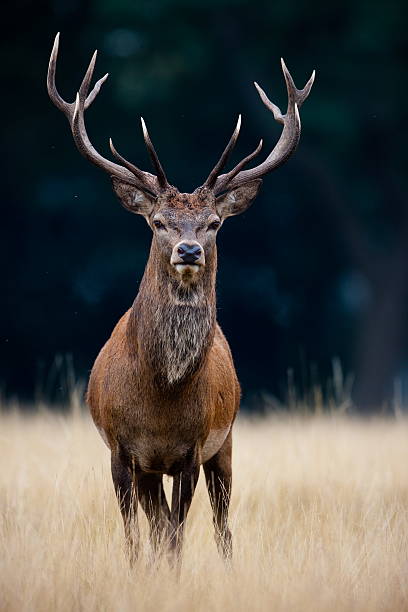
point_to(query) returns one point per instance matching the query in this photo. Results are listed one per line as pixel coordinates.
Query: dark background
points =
(315, 271)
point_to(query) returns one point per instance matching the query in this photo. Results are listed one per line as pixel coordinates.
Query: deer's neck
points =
(172, 326)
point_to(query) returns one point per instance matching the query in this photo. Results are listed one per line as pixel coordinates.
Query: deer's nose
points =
(189, 253)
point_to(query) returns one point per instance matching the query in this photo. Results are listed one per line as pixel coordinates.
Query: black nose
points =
(189, 253)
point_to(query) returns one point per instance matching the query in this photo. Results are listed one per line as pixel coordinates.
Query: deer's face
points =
(185, 225)
(185, 239)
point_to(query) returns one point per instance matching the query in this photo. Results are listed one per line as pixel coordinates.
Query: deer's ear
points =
(134, 199)
(237, 200)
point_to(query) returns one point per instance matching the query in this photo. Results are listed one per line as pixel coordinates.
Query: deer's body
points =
(163, 391)
(157, 426)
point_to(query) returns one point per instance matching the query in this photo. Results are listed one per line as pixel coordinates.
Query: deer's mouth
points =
(187, 274)
(183, 268)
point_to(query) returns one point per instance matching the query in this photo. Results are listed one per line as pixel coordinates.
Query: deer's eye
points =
(158, 224)
(214, 225)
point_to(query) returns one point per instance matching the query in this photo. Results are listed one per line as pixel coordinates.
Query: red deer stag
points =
(163, 391)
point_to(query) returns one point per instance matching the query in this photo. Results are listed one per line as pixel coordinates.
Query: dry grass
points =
(319, 517)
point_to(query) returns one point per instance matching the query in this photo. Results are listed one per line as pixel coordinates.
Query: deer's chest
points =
(158, 454)
(162, 445)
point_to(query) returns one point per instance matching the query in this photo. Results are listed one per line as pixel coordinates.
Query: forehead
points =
(184, 216)
(189, 207)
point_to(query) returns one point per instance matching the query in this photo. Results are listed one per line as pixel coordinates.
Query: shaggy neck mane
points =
(172, 326)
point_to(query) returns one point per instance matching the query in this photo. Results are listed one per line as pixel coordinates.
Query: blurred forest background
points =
(315, 271)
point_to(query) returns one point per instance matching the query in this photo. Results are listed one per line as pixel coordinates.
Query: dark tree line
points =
(317, 269)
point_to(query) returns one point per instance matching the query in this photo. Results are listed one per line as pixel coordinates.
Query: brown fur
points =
(163, 391)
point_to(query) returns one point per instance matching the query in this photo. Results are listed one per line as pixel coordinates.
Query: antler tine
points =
(83, 90)
(212, 177)
(59, 102)
(161, 176)
(95, 91)
(74, 111)
(133, 169)
(303, 93)
(288, 140)
(232, 173)
(275, 110)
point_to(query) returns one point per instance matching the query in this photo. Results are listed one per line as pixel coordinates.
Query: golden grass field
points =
(319, 517)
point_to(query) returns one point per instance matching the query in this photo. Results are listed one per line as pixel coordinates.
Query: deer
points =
(163, 391)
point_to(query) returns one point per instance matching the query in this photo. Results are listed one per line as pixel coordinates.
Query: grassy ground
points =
(319, 518)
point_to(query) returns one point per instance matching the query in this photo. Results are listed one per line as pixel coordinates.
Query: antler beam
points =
(284, 148)
(74, 112)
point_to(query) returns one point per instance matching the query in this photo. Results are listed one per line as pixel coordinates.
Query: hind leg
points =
(218, 475)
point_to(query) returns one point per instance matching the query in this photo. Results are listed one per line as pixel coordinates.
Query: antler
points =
(74, 112)
(284, 148)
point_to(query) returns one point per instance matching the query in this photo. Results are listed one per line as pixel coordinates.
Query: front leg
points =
(218, 475)
(184, 484)
(153, 501)
(124, 483)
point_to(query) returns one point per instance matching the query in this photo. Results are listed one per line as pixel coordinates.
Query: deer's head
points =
(184, 225)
